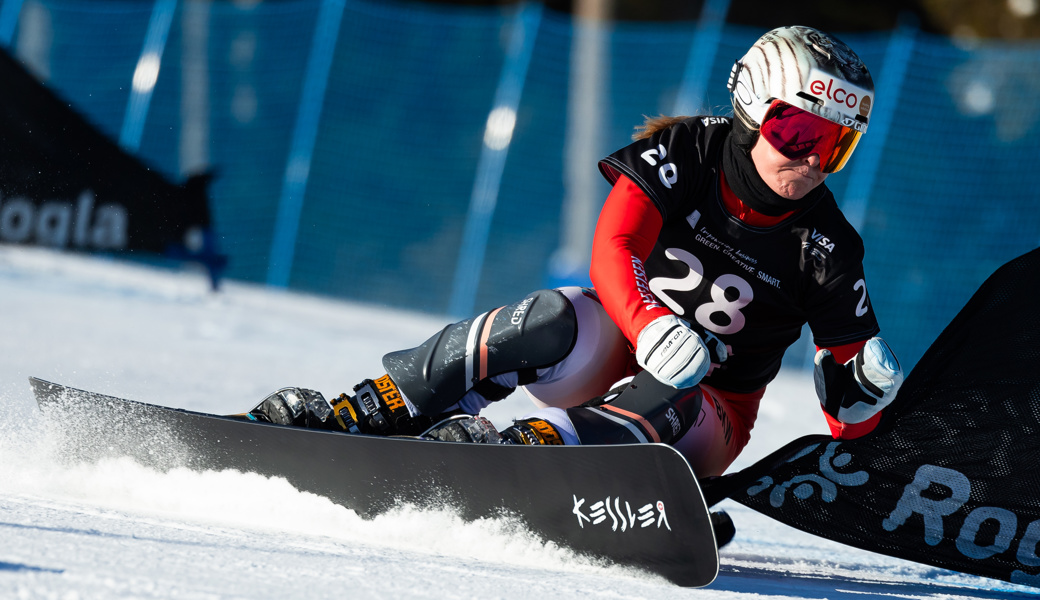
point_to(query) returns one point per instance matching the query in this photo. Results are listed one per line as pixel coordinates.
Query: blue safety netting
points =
(401, 120)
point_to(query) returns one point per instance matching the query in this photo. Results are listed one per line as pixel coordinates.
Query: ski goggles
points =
(797, 133)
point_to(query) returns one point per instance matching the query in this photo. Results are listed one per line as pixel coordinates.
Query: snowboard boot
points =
(478, 430)
(294, 406)
(376, 408)
(723, 526)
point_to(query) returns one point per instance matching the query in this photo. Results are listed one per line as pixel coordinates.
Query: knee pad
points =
(600, 357)
(645, 411)
(534, 333)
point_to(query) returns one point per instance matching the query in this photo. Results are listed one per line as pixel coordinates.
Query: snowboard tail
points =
(636, 505)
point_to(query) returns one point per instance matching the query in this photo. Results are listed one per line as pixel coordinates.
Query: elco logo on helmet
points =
(817, 88)
(838, 95)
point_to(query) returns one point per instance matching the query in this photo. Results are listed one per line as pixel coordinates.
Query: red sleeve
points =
(626, 232)
(849, 431)
(844, 353)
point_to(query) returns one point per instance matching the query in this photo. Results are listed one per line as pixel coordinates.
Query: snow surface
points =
(119, 530)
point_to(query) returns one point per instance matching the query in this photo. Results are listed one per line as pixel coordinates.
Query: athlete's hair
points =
(652, 125)
(741, 135)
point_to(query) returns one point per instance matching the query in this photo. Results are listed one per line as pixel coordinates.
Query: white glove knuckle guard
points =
(879, 370)
(873, 379)
(672, 352)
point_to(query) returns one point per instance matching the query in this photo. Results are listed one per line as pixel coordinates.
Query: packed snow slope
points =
(119, 530)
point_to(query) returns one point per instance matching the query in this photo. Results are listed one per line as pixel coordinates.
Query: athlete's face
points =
(790, 178)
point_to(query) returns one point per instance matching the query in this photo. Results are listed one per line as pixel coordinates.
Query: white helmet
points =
(807, 69)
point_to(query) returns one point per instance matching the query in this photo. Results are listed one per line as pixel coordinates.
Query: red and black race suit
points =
(754, 287)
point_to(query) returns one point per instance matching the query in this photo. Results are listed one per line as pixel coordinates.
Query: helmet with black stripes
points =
(807, 69)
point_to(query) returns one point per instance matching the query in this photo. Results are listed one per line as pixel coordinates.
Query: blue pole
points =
(867, 159)
(9, 20)
(691, 99)
(497, 136)
(305, 134)
(146, 74)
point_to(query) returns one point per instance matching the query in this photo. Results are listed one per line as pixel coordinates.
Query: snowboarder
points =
(717, 243)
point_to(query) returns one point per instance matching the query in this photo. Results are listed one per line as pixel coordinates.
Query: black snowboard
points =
(637, 505)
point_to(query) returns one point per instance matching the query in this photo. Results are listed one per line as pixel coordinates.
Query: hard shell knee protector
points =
(534, 333)
(600, 357)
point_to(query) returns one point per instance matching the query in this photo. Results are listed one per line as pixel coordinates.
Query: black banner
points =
(64, 184)
(951, 477)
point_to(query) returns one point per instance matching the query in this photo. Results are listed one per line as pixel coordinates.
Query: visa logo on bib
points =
(839, 95)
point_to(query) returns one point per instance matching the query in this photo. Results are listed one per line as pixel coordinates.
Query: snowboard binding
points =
(377, 408)
(479, 430)
(464, 428)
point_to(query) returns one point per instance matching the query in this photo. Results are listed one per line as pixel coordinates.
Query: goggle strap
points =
(733, 74)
